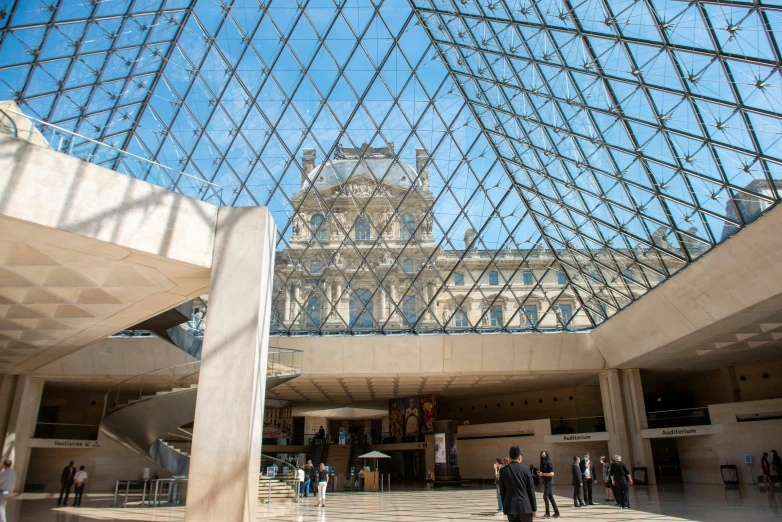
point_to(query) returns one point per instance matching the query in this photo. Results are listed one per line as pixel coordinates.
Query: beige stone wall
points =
(566, 403)
(105, 465)
(477, 455)
(701, 457)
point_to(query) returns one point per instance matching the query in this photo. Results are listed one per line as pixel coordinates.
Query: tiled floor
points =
(658, 504)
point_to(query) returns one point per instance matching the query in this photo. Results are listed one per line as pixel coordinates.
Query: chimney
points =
(308, 163)
(422, 167)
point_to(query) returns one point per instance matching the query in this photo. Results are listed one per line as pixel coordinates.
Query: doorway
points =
(665, 454)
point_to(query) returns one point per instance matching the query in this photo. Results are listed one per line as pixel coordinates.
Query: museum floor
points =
(659, 504)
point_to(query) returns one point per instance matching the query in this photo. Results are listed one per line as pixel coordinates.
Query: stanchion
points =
(116, 492)
(381, 482)
(143, 493)
(389, 482)
(127, 491)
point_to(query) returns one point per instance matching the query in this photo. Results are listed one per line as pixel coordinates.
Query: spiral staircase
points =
(152, 413)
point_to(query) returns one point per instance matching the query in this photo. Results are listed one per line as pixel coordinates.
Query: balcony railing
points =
(59, 430)
(578, 425)
(678, 418)
(67, 142)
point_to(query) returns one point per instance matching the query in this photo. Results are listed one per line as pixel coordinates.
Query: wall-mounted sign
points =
(63, 443)
(576, 437)
(684, 431)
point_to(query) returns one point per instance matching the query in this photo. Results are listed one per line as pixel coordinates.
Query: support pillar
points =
(226, 450)
(20, 428)
(286, 313)
(625, 416)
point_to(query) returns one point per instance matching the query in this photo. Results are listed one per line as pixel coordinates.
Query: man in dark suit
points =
(620, 477)
(66, 483)
(588, 472)
(577, 482)
(517, 489)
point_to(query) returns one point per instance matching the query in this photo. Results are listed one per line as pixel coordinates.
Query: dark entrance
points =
(665, 454)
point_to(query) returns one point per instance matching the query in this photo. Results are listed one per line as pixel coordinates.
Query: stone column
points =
(327, 305)
(383, 305)
(296, 302)
(226, 451)
(286, 313)
(625, 416)
(20, 428)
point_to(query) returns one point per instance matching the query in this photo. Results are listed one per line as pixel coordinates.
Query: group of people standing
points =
(69, 478)
(516, 491)
(310, 475)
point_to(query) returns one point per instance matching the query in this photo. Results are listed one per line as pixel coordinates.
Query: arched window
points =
(361, 309)
(406, 226)
(408, 308)
(313, 312)
(318, 227)
(362, 230)
(407, 266)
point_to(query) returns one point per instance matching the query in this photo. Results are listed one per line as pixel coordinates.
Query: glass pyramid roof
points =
(434, 165)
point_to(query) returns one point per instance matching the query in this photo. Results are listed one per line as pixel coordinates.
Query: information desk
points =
(371, 480)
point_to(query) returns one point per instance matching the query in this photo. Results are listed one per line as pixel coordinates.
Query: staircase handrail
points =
(191, 372)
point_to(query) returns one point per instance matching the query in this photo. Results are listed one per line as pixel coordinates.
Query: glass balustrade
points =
(678, 418)
(578, 425)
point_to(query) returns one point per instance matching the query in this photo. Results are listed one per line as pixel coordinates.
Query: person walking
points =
(607, 479)
(80, 480)
(429, 479)
(776, 462)
(497, 468)
(307, 480)
(620, 477)
(300, 478)
(588, 472)
(313, 478)
(66, 483)
(518, 493)
(577, 482)
(323, 481)
(766, 467)
(7, 480)
(546, 473)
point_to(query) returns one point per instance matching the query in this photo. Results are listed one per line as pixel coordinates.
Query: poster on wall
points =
(439, 448)
(429, 409)
(277, 419)
(395, 418)
(412, 426)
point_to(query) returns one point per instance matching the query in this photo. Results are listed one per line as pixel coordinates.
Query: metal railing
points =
(60, 430)
(578, 425)
(281, 362)
(110, 157)
(152, 493)
(678, 418)
(285, 472)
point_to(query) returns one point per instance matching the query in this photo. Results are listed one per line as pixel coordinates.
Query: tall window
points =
(362, 230)
(314, 267)
(496, 315)
(561, 278)
(408, 308)
(313, 312)
(407, 266)
(494, 278)
(318, 227)
(406, 226)
(527, 277)
(566, 312)
(361, 309)
(460, 317)
(458, 279)
(531, 311)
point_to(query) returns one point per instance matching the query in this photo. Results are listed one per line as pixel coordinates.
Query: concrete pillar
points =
(226, 451)
(21, 423)
(625, 416)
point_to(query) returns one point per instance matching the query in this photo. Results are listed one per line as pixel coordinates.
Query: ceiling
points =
(641, 132)
(62, 292)
(349, 389)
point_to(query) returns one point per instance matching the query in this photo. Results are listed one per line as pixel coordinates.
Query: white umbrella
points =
(374, 455)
